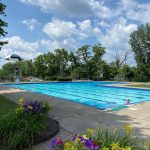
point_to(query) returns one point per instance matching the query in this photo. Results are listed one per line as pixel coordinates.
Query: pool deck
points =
(76, 117)
(126, 85)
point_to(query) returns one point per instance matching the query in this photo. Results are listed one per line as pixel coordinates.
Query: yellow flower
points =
(115, 146)
(128, 148)
(128, 128)
(21, 100)
(85, 137)
(90, 131)
(77, 139)
(29, 107)
(68, 146)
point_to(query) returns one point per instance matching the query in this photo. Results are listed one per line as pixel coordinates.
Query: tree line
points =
(86, 62)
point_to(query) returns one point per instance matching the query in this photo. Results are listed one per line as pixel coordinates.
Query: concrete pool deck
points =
(76, 117)
(128, 85)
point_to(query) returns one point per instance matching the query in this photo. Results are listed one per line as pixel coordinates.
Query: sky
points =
(38, 26)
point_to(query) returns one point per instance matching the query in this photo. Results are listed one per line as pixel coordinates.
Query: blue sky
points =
(39, 26)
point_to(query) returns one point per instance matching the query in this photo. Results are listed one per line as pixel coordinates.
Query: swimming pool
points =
(95, 94)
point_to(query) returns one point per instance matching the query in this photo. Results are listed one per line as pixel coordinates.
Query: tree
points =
(62, 58)
(2, 24)
(8, 69)
(128, 72)
(140, 44)
(26, 67)
(40, 66)
(98, 63)
(52, 66)
(98, 51)
(121, 57)
(83, 53)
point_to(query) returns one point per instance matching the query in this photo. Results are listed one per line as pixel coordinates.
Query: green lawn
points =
(6, 106)
(141, 85)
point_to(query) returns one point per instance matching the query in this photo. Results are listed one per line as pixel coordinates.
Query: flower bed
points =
(102, 140)
(29, 124)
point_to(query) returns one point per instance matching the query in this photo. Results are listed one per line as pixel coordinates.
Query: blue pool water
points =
(95, 94)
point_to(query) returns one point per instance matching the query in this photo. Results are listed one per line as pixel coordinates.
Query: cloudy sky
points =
(39, 26)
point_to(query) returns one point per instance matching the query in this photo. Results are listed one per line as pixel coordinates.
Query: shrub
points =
(123, 139)
(64, 79)
(27, 122)
(50, 78)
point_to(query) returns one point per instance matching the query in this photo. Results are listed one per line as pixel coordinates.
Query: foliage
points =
(140, 44)
(85, 63)
(2, 24)
(64, 79)
(50, 78)
(119, 139)
(27, 122)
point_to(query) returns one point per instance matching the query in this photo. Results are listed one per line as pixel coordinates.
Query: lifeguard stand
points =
(17, 71)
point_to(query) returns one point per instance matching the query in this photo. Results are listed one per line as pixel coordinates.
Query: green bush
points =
(50, 78)
(64, 79)
(20, 128)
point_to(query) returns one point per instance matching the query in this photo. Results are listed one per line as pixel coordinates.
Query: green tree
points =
(26, 67)
(83, 53)
(140, 44)
(98, 63)
(62, 58)
(2, 24)
(40, 66)
(52, 66)
(128, 72)
(8, 69)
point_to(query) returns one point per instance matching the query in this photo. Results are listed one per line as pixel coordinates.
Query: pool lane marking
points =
(68, 94)
(60, 88)
(83, 93)
(112, 89)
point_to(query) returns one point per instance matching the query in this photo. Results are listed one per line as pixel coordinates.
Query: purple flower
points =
(53, 143)
(74, 137)
(81, 138)
(32, 107)
(91, 145)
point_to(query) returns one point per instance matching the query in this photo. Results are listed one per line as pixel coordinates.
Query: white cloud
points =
(31, 23)
(16, 45)
(59, 29)
(63, 7)
(111, 25)
(134, 10)
(103, 23)
(100, 10)
(79, 8)
(50, 45)
(116, 38)
(87, 30)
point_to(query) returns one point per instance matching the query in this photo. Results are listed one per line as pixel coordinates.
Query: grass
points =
(22, 124)
(6, 106)
(140, 85)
